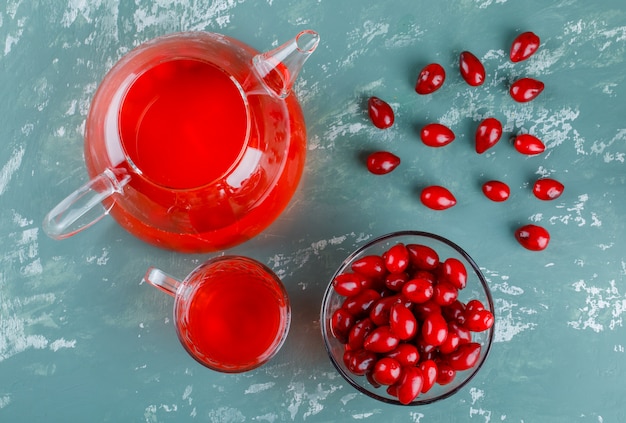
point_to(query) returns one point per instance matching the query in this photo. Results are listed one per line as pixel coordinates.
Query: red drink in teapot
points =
(193, 142)
(184, 123)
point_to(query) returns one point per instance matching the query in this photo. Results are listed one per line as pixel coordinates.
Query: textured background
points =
(82, 340)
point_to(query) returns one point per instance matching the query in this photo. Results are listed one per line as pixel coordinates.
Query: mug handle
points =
(162, 280)
(84, 207)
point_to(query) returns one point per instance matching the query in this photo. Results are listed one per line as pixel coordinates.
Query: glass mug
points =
(232, 313)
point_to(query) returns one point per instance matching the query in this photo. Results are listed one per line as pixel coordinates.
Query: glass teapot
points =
(193, 142)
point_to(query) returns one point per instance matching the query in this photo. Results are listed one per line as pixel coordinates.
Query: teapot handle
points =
(84, 207)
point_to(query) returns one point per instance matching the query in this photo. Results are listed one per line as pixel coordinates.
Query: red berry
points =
(359, 332)
(455, 272)
(474, 305)
(547, 189)
(496, 191)
(348, 284)
(437, 197)
(472, 70)
(465, 357)
(465, 335)
(524, 46)
(445, 373)
(429, 371)
(423, 310)
(386, 371)
(402, 322)
(359, 362)
(529, 144)
(526, 89)
(371, 380)
(479, 320)
(395, 281)
(423, 257)
(445, 293)
(410, 384)
(436, 135)
(359, 305)
(406, 354)
(418, 290)
(434, 329)
(340, 324)
(379, 313)
(381, 340)
(488, 134)
(372, 266)
(396, 258)
(430, 79)
(454, 312)
(452, 342)
(532, 237)
(380, 112)
(382, 162)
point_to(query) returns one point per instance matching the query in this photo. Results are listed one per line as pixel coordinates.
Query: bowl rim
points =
(329, 290)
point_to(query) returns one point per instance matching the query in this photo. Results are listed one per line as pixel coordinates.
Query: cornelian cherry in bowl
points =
(408, 318)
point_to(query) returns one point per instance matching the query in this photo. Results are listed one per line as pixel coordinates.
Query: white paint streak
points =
(362, 416)
(604, 307)
(62, 343)
(476, 394)
(510, 317)
(311, 401)
(10, 167)
(4, 401)
(13, 38)
(198, 16)
(405, 39)
(483, 4)
(509, 322)
(187, 394)
(486, 414)
(358, 40)
(259, 387)
(299, 258)
(226, 414)
(15, 328)
(101, 260)
(575, 214)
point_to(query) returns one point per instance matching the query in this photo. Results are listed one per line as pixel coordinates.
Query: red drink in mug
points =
(232, 313)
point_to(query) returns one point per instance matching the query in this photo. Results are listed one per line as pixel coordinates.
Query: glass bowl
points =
(476, 288)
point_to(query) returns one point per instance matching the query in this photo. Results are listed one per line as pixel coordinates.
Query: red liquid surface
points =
(183, 123)
(233, 320)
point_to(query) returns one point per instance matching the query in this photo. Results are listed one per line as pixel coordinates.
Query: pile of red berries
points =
(402, 323)
(488, 133)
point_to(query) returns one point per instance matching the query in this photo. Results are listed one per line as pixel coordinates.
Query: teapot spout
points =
(278, 69)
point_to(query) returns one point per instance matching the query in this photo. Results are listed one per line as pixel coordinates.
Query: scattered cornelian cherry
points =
(380, 112)
(528, 144)
(533, 237)
(437, 197)
(472, 69)
(488, 134)
(496, 191)
(382, 162)
(526, 89)
(524, 46)
(436, 135)
(430, 79)
(547, 189)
